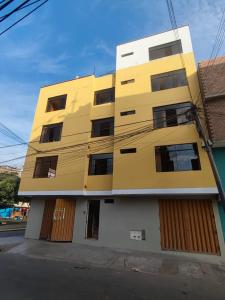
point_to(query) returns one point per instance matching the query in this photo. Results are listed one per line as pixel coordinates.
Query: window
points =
(51, 133)
(183, 157)
(56, 103)
(101, 164)
(165, 50)
(109, 201)
(102, 127)
(127, 81)
(105, 96)
(168, 80)
(129, 112)
(172, 115)
(45, 167)
(128, 150)
(127, 54)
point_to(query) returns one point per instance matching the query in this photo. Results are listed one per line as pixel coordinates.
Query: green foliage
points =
(9, 185)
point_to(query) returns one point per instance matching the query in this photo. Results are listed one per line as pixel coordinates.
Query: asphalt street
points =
(31, 278)
(12, 233)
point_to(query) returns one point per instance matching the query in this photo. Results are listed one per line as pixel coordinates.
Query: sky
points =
(64, 39)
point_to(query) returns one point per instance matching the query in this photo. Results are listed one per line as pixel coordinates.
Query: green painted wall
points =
(219, 155)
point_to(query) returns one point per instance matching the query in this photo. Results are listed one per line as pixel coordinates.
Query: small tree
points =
(9, 185)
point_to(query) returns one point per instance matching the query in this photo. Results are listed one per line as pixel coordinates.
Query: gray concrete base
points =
(84, 256)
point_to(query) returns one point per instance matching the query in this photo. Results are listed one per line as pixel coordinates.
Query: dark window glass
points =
(45, 167)
(102, 127)
(168, 80)
(128, 150)
(105, 96)
(165, 50)
(129, 112)
(51, 133)
(109, 201)
(101, 164)
(127, 81)
(56, 103)
(183, 157)
(127, 54)
(172, 115)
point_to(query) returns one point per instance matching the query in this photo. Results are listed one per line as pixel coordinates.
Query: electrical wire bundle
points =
(24, 5)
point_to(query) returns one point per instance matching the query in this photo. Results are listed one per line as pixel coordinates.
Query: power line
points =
(13, 11)
(10, 134)
(18, 21)
(106, 141)
(6, 4)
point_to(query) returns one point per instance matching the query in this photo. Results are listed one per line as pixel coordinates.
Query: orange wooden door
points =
(63, 220)
(188, 225)
(46, 226)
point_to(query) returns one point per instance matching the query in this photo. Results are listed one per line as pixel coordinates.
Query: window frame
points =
(45, 158)
(171, 82)
(166, 46)
(159, 159)
(127, 113)
(56, 98)
(98, 121)
(128, 150)
(104, 91)
(48, 126)
(128, 81)
(163, 109)
(93, 157)
(127, 54)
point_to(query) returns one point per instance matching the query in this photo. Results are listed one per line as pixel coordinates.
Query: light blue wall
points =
(219, 155)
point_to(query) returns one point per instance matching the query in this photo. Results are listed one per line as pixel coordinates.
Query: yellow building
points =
(116, 160)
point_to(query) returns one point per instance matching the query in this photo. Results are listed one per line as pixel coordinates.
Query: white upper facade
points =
(137, 52)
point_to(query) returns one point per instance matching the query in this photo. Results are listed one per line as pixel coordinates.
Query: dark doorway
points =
(93, 219)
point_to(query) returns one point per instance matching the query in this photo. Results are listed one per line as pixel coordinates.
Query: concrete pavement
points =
(143, 262)
(10, 239)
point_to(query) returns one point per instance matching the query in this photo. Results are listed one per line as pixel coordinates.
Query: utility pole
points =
(208, 148)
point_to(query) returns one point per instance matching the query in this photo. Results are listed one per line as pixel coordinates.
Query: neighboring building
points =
(104, 177)
(212, 79)
(10, 170)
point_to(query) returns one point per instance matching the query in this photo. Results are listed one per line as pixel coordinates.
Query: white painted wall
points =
(35, 219)
(140, 47)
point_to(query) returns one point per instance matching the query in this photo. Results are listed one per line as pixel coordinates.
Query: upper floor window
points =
(127, 113)
(181, 157)
(56, 103)
(104, 96)
(127, 81)
(51, 133)
(128, 150)
(101, 164)
(45, 167)
(165, 50)
(102, 127)
(172, 115)
(127, 54)
(168, 80)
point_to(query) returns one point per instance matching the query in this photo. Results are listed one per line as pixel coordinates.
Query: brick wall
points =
(212, 79)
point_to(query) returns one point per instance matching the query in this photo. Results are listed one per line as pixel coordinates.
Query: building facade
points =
(212, 78)
(119, 162)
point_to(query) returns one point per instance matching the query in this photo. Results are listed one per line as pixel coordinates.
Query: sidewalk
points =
(149, 263)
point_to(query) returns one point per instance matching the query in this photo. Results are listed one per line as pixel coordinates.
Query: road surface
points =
(11, 233)
(24, 278)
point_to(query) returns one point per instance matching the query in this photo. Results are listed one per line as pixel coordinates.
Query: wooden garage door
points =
(188, 225)
(46, 226)
(63, 220)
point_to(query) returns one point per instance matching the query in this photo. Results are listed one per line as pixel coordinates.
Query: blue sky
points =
(68, 38)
